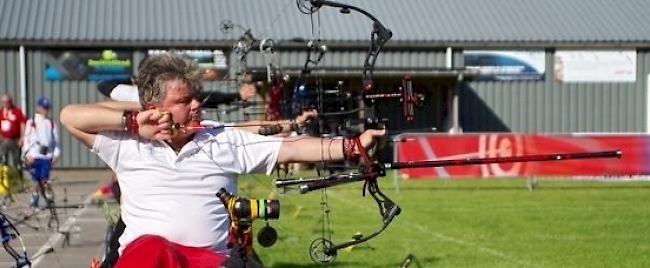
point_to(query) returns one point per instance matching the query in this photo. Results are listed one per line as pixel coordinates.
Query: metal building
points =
(430, 40)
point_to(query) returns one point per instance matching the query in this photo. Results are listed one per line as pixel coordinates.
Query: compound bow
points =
(9, 233)
(323, 250)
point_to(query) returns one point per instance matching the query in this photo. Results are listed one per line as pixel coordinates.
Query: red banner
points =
(420, 147)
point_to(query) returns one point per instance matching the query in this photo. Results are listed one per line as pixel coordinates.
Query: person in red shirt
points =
(12, 130)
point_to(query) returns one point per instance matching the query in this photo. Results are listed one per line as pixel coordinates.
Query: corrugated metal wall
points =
(552, 107)
(355, 59)
(10, 73)
(533, 106)
(61, 93)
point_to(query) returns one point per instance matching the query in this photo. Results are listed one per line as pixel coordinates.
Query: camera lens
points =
(269, 209)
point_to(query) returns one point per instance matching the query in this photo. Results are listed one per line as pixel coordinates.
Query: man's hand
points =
(29, 160)
(20, 142)
(154, 124)
(373, 139)
(307, 115)
(55, 160)
(247, 91)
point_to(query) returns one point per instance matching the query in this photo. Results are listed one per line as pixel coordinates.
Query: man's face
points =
(183, 104)
(6, 102)
(43, 111)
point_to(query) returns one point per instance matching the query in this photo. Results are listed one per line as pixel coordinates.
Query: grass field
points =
(469, 223)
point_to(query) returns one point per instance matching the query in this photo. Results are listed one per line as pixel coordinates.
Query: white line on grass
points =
(462, 242)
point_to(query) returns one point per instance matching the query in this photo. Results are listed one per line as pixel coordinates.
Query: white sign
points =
(595, 66)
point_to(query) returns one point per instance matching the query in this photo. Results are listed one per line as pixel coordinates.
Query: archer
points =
(168, 182)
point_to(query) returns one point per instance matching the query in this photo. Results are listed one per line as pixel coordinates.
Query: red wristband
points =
(131, 122)
(348, 149)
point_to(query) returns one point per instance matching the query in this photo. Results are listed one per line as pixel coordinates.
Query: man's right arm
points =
(27, 141)
(84, 121)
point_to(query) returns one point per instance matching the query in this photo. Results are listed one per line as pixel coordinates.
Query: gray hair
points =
(157, 70)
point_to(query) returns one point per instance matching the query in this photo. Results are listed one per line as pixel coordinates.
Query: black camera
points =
(243, 211)
(249, 209)
(42, 150)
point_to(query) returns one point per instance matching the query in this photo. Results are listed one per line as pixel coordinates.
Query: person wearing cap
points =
(41, 149)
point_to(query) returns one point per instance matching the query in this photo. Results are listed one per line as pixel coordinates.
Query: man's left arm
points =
(256, 153)
(27, 143)
(22, 121)
(312, 149)
(55, 140)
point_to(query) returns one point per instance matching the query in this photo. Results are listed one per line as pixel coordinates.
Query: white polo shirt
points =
(174, 195)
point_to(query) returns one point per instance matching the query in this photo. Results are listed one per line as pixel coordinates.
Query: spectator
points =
(41, 150)
(12, 131)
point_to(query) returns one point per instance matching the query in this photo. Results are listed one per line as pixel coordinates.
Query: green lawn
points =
(469, 223)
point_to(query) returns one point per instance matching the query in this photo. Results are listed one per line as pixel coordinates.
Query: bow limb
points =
(8, 233)
(323, 250)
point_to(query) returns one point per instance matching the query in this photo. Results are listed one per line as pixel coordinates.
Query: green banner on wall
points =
(93, 65)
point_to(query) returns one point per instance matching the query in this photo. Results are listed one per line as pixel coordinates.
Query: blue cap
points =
(44, 102)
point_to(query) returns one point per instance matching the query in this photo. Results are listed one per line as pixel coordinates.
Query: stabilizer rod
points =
(507, 159)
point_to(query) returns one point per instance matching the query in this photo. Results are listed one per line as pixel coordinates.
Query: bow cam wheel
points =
(317, 251)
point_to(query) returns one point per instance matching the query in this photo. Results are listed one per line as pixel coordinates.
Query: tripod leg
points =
(16, 221)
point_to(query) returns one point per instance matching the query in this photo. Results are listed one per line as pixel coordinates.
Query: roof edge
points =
(361, 44)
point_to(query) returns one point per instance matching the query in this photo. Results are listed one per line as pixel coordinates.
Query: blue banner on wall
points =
(94, 65)
(506, 65)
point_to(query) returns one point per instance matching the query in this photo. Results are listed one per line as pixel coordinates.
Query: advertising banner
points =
(93, 65)
(595, 66)
(506, 65)
(419, 147)
(213, 63)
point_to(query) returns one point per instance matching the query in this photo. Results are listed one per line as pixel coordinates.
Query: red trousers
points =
(152, 251)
